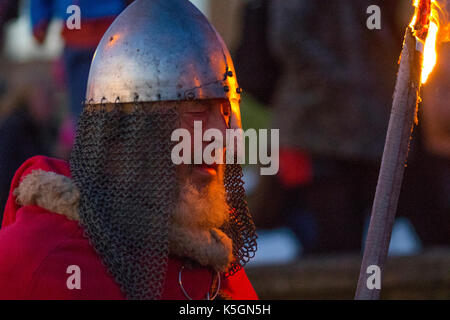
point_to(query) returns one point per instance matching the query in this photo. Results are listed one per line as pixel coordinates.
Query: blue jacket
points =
(42, 11)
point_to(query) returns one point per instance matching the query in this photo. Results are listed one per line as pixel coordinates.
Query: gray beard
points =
(195, 226)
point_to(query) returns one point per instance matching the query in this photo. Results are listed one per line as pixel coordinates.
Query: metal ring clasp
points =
(207, 294)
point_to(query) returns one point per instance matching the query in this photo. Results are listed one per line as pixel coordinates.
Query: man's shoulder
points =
(41, 238)
(40, 252)
(46, 163)
(73, 270)
(33, 181)
(25, 245)
(30, 229)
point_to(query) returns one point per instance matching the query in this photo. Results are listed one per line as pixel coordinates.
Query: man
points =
(153, 229)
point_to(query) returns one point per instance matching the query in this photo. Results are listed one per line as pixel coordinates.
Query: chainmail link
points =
(240, 228)
(121, 163)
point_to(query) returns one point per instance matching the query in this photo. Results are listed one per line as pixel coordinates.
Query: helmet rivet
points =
(226, 89)
(230, 73)
(190, 96)
(239, 90)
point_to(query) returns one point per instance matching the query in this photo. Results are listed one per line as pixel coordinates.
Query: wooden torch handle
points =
(390, 177)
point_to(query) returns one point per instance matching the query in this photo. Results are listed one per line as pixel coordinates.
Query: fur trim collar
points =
(49, 190)
(208, 247)
(58, 193)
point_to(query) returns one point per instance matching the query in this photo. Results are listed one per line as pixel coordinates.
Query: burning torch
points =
(417, 60)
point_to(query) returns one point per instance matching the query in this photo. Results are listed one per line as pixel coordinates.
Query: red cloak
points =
(37, 247)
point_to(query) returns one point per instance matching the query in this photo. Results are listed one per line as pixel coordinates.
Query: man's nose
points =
(220, 124)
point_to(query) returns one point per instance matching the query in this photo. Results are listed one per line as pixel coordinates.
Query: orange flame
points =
(426, 24)
(429, 52)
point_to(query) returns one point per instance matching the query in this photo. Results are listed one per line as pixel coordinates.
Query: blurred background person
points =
(258, 68)
(79, 44)
(332, 107)
(9, 10)
(259, 72)
(34, 79)
(28, 122)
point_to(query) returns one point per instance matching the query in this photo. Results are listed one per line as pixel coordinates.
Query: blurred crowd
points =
(331, 99)
(309, 68)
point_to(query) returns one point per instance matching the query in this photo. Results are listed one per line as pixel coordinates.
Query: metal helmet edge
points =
(162, 50)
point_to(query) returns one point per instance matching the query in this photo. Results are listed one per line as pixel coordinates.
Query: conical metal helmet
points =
(162, 50)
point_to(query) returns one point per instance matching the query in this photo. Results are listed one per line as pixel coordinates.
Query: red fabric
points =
(37, 246)
(295, 168)
(40, 31)
(89, 35)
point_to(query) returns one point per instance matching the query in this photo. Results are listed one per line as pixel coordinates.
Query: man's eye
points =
(196, 112)
(199, 114)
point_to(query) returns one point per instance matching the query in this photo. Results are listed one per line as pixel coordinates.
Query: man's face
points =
(213, 114)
